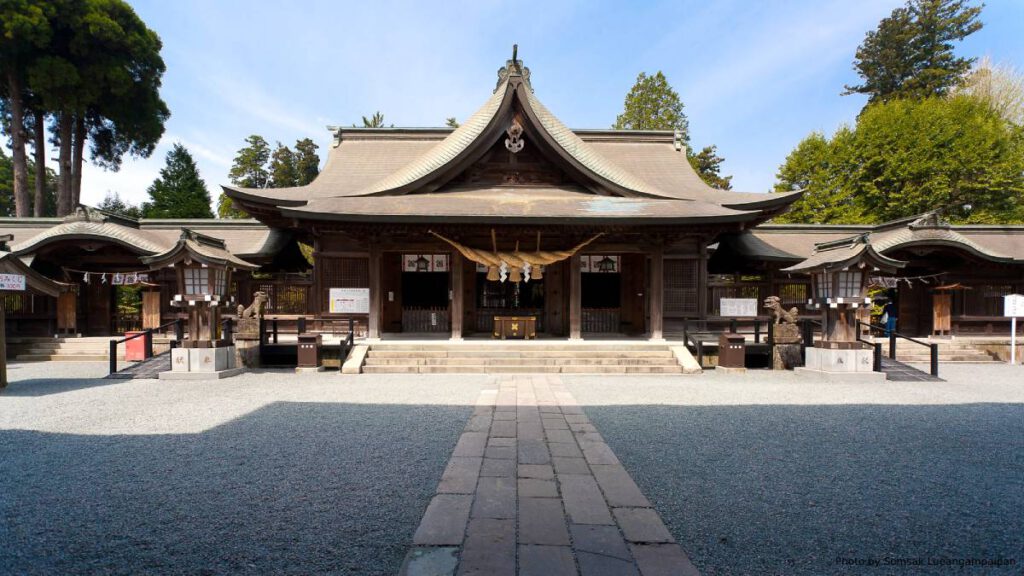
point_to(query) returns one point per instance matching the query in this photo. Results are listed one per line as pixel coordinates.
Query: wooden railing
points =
(426, 320)
(601, 320)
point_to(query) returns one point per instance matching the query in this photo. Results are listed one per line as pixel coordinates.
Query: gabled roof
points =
(367, 165)
(843, 254)
(192, 246)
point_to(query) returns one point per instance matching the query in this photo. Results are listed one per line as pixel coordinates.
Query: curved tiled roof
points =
(133, 239)
(445, 151)
(906, 237)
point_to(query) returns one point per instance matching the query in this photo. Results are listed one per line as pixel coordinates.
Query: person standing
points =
(889, 316)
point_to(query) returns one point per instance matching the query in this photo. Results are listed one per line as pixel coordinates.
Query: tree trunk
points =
(21, 193)
(65, 131)
(76, 171)
(39, 205)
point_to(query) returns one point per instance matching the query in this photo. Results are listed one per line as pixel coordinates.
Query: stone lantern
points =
(203, 267)
(840, 273)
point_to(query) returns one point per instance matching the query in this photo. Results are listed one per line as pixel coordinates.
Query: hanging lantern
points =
(492, 273)
(606, 264)
(537, 273)
(516, 275)
(422, 264)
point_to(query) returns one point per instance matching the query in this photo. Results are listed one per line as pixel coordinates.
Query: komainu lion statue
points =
(782, 316)
(255, 310)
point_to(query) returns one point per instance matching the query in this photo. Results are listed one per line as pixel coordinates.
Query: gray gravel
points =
(264, 473)
(765, 474)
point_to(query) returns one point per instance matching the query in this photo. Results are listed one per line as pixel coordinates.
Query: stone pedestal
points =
(786, 341)
(840, 365)
(202, 364)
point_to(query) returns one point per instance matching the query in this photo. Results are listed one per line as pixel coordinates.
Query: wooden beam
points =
(657, 294)
(575, 298)
(376, 302)
(457, 296)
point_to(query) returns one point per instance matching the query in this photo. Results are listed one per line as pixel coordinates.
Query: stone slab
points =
(460, 475)
(533, 452)
(495, 498)
(171, 375)
(537, 488)
(498, 468)
(444, 522)
(619, 488)
(570, 466)
(541, 521)
(546, 561)
(430, 561)
(539, 471)
(584, 503)
(825, 377)
(470, 444)
(490, 548)
(606, 540)
(663, 560)
(641, 525)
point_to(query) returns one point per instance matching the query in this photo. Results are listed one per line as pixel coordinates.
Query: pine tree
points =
(451, 122)
(283, 173)
(708, 165)
(248, 171)
(910, 54)
(653, 105)
(307, 162)
(114, 204)
(179, 192)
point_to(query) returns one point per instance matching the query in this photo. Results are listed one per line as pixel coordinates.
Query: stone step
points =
(377, 361)
(521, 369)
(524, 346)
(375, 352)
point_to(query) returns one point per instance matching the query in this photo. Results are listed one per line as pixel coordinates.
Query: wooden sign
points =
(13, 282)
(737, 307)
(349, 300)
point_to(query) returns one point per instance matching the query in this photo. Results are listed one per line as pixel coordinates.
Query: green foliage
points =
(906, 157)
(451, 122)
(307, 162)
(653, 105)
(375, 121)
(113, 203)
(249, 170)
(179, 192)
(708, 165)
(7, 207)
(910, 54)
(283, 171)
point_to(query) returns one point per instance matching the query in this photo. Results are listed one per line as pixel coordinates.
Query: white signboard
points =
(1013, 305)
(737, 307)
(12, 282)
(349, 300)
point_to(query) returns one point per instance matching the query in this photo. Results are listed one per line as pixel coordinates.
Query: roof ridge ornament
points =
(514, 143)
(931, 219)
(514, 67)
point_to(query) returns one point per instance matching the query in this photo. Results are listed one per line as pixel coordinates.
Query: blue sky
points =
(755, 76)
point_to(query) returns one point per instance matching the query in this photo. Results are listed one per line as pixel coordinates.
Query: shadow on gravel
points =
(47, 386)
(792, 489)
(292, 488)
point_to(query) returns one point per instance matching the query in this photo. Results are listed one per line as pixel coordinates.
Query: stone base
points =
(785, 356)
(840, 377)
(840, 360)
(172, 375)
(309, 369)
(728, 370)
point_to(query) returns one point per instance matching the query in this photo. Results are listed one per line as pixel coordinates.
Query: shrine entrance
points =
(612, 293)
(416, 292)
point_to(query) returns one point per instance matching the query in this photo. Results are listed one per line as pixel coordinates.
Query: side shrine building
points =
(449, 232)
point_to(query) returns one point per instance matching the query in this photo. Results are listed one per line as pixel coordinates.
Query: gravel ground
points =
(263, 473)
(766, 474)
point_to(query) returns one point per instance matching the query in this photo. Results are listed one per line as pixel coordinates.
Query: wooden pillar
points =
(657, 294)
(457, 296)
(376, 303)
(575, 298)
(3, 343)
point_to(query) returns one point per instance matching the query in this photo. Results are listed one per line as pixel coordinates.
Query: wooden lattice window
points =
(343, 272)
(681, 279)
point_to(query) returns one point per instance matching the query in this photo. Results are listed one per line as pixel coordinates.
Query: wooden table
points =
(515, 327)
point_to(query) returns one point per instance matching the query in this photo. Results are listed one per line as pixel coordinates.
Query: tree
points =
(1000, 87)
(179, 191)
(906, 157)
(113, 204)
(48, 202)
(708, 165)
(307, 162)
(821, 168)
(653, 105)
(248, 171)
(283, 172)
(910, 54)
(25, 32)
(451, 122)
(375, 121)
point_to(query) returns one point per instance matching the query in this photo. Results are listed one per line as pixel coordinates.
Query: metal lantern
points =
(606, 264)
(422, 264)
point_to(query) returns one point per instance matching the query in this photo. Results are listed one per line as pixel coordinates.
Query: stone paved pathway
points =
(532, 489)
